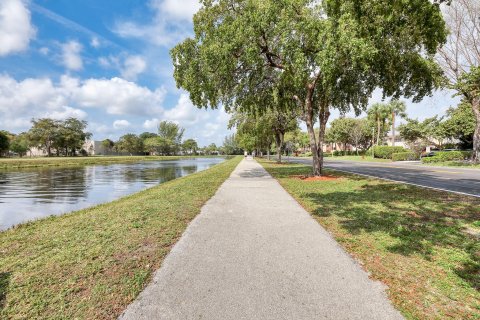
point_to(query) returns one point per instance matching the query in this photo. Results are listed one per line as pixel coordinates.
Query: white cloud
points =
(206, 126)
(95, 42)
(16, 29)
(121, 124)
(132, 67)
(44, 50)
(128, 66)
(185, 112)
(168, 26)
(151, 124)
(71, 57)
(182, 10)
(66, 112)
(119, 96)
(40, 97)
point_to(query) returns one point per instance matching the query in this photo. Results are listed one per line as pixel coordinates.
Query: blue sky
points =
(107, 61)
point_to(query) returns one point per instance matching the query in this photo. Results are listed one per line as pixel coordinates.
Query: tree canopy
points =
(321, 54)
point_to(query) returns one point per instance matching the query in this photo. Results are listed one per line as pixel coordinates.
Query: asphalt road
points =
(458, 180)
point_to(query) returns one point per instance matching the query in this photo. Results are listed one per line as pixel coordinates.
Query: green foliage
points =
(169, 137)
(20, 144)
(405, 156)
(230, 146)
(4, 143)
(190, 146)
(386, 152)
(341, 153)
(322, 54)
(145, 135)
(130, 143)
(65, 137)
(108, 145)
(448, 156)
(460, 125)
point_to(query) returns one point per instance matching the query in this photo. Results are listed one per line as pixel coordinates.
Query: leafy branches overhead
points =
(318, 54)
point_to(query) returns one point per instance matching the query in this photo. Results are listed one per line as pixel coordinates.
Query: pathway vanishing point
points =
(254, 253)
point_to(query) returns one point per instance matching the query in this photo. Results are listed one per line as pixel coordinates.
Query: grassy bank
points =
(454, 164)
(425, 245)
(92, 263)
(78, 161)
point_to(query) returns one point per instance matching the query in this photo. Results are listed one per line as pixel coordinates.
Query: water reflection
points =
(27, 194)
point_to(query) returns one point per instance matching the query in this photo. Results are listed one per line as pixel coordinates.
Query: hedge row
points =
(404, 156)
(448, 156)
(338, 153)
(386, 152)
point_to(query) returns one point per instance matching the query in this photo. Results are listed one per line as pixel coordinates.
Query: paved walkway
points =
(255, 253)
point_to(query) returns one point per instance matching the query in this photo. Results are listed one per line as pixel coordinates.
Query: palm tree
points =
(396, 108)
(379, 112)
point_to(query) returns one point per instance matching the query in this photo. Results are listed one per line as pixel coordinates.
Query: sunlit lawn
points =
(423, 244)
(92, 263)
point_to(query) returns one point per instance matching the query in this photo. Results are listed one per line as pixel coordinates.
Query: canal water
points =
(29, 194)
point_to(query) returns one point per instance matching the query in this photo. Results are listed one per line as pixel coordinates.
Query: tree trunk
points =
(476, 135)
(279, 144)
(323, 116)
(393, 129)
(378, 130)
(317, 164)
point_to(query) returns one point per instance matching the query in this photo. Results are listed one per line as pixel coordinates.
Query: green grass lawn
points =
(76, 161)
(92, 263)
(454, 164)
(423, 244)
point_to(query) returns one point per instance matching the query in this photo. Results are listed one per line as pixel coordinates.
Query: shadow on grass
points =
(4, 281)
(286, 170)
(416, 220)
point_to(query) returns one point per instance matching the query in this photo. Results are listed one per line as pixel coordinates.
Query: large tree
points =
(130, 143)
(324, 54)
(190, 146)
(170, 136)
(230, 145)
(4, 143)
(396, 108)
(460, 57)
(44, 134)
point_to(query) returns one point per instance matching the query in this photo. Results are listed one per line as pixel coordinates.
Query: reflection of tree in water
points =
(44, 184)
(60, 184)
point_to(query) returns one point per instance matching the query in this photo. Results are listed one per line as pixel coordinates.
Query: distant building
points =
(95, 148)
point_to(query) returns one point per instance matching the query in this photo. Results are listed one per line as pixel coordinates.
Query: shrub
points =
(339, 153)
(404, 156)
(385, 152)
(448, 156)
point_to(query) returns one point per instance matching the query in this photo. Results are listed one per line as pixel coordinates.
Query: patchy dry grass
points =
(92, 263)
(424, 244)
(8, 163)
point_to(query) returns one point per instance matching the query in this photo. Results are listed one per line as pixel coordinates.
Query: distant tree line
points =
(67, 138)
(167, 141)
(55, 137)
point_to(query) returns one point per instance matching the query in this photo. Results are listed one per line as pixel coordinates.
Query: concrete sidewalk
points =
(255, 253)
